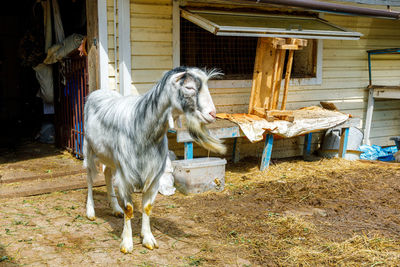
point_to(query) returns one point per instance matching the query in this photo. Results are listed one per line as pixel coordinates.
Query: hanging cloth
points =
(58, 27)
(47, 24)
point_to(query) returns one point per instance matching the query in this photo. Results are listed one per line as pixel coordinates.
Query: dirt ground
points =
(326, 212)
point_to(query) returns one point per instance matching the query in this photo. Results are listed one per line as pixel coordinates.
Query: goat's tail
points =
(199, 132)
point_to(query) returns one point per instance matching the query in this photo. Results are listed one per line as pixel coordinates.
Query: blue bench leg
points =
(188, 150)
(307, 145)
(266, 156)
(236, 152)
(343, 142)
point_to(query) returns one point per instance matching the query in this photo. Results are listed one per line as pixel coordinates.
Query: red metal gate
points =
(73, 89)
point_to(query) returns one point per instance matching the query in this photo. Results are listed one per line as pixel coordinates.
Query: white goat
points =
(128, 135)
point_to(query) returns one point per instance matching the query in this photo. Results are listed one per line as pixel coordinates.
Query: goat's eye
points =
(191, 88)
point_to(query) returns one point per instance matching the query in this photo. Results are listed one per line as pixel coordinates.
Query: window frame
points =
(245, 83)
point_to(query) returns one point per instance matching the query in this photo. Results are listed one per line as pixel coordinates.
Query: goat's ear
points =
(177, 77)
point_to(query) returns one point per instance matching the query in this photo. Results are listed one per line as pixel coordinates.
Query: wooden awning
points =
(223, 23)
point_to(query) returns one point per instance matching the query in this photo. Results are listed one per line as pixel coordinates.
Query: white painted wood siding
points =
(345, 72)
(151, 41)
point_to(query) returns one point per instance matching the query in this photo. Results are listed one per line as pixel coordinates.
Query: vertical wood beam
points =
(274, 79)
(103, 44)
(257, 75)
(124, 36)
(176, 32)
(287, 78)
(92, 40)
(278, 79)
(368, 119)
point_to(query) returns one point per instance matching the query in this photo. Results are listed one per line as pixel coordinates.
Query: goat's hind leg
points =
(147, 204)
(117, 211)
(91, 174)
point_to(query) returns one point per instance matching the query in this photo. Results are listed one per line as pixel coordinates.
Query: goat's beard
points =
(200, 135)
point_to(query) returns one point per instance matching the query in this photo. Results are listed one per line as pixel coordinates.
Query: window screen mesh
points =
(233, 55)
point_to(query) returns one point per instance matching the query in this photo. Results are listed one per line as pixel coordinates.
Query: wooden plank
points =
(260, 112)
(276, 42)
(176, 34)
(165, 10)
(124, 31)
(280, 112)
(103, 45)
(151, 62)
(147, 76)
(278, 77)
(266, 69)
(31, 188)
(151, 48)
(153, 2)
(150, 35)
(388, 93)
(274, 79)
(92, 35)
(257, 74)
(287, 79)
(150, 22)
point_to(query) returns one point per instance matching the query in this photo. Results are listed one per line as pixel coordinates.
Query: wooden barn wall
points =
(345, 73)
(151, 41)
(344, 82)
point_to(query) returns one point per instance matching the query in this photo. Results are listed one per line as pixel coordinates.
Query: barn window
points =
(228, 41)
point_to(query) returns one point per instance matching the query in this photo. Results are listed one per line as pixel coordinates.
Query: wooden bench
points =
(227, 129)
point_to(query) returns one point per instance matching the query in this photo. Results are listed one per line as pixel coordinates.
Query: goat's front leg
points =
(126, 245)
(147, 204)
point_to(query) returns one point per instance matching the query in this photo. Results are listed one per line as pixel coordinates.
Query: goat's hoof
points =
(118, 214)
(148, 246)
(91, 218)
(150, 242)
(126, 249)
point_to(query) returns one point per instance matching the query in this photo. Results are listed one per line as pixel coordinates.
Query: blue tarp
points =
(375, 152)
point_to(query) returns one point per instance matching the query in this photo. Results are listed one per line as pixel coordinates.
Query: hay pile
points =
(329, 212)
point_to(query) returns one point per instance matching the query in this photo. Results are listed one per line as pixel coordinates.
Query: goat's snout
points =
(213, 114)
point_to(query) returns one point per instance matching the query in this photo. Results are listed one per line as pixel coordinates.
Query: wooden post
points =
(274, 79)
(257, 74)
(287, 78)
(262, 76)
(92, 42)
(278, 81)
(368, 119)
(268, 70)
